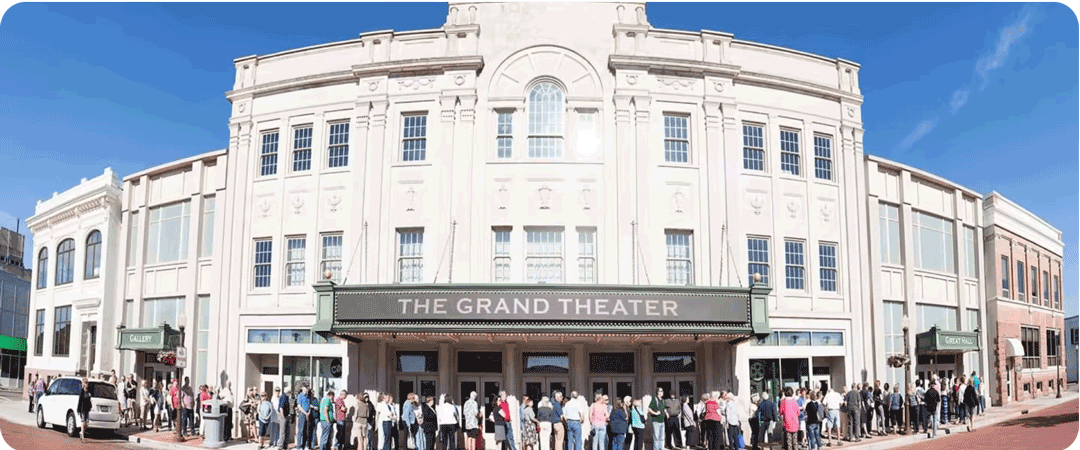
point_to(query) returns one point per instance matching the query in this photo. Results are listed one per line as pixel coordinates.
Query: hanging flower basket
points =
(167, 358)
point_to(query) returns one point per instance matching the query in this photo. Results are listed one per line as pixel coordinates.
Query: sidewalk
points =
(992, 416)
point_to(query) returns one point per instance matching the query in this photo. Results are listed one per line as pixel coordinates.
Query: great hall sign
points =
(515, 308)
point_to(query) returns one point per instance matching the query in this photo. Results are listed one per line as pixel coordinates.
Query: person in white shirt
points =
(732, 416)
(448, 423)
(832, 414)
(572, 413)
(472, 422)
(226, 395)
(384, 416)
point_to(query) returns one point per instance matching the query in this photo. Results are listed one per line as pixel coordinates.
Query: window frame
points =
(1046, 287)
(209, 211)
(1020, 279)
(501, 259)
(1053, 352)
(674, 135)
(300, 164)
(417, 257)
(65, 262)
(823, 159)
(39, 332)
(413, 123)
(545, 121)
(1005, 269)
(946, 235)
(765, 263)
(587, 255)
(184, 218)
(62, 334)
(290, 262)
(1032, 355)
(1057, 292)
(338, 136)
(1034, 282)
(675, 259)
(504, 134)
(326, 259)
(747, 139)
(794, 264)
(262, 258)
(535, 256)
(43, 268)
(790, 153)
(824, 269)
(92, 256)
(886, 225)
(269, 143)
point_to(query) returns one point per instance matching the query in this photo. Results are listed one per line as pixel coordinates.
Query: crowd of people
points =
(340, 421)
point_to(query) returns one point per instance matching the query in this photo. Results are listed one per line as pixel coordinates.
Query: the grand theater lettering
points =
(566, 307)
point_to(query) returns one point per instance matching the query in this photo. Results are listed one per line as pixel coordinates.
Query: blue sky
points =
(983, 94)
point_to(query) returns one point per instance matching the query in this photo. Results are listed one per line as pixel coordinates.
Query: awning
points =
(1013, 347)
(162, 338)
(942, 342)
(12, 343)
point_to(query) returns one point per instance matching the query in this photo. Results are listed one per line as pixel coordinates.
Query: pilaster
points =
(642, 166)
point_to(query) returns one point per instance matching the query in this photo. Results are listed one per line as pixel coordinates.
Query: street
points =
(1052, 428)
(22, 437)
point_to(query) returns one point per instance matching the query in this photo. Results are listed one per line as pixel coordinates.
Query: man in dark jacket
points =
(84, 408)
(853, 401)
(930, 401)
(766, 415)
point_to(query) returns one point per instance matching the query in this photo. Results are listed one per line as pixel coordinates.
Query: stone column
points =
(511, 369)
(645, 230)
(624, 190)
(445, 371)
(578, 369)
(383, 372)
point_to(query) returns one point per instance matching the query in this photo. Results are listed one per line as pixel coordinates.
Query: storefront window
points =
(674, 363)
(417, 362)
(546, 363)
(611, 362)
(480, 362)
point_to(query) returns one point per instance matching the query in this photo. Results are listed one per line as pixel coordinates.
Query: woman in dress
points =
(529, 425)
(789, 414)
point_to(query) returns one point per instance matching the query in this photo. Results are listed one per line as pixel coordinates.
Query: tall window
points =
(1029, 338)
(92, 264)
(133, 238)
(546, 107)
(330, 258)
(933, 242)
(789, 152)
(827, 260)
(676, 138)
(263, 254)
(162, 310)
(1053, 348)
(43, 268)
(680, 262)
(268, 160)
(301, 154)
(411, 256)
(544, 256)
(1034, 282)
(501, 255)
(62, 331)
(1020, 280)
(758, 256)
(296, 248)
(414, 137)
(39, 332)
(167, 240)
(894, 338)
(1057, 292)
(942, 316)
(794, 265)
(587, 255)
(889, 220)
(207, 227)
(823, 157)
(588, 143)
(338, 149)
(971, 249)
(1046, 288)
(504, 135)
(1005, 276)
(753, 147)
(65, 262)
(202, 344)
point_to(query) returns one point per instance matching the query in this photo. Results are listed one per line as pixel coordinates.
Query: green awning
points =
(162, 338)
(942, 342)
(12, 343)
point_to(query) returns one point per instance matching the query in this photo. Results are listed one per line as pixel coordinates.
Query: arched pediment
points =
(515, 74)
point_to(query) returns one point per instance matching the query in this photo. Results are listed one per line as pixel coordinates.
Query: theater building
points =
(539, 196)
(1025, 311)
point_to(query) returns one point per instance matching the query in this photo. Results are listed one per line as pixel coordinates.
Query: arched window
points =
(65, 262)
(546, 106)
(43, 268)
(93, 255)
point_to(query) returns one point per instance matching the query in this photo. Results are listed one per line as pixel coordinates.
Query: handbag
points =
(739, 442)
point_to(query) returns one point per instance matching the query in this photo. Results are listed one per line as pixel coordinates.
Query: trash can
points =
(213, 415)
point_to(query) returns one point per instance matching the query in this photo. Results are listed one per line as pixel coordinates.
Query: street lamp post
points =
(907, 371)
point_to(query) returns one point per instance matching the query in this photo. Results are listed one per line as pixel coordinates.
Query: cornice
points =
(773, 81)
(417, 66)
(292, 84)
(99, 198)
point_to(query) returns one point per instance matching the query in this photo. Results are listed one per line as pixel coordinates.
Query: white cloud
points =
(921, 130)
(1007, 38)
(959, 99)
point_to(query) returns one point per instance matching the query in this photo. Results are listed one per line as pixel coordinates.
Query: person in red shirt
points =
(174, 399)
(339, 418)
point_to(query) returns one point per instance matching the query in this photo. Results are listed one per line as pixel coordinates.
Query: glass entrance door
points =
(681, 385)
(539, 386)
(419, 385)
(613, 387)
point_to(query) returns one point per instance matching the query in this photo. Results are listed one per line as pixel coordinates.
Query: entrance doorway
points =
(613, 387)
(536, 387)
(680, 385)
(420, 385)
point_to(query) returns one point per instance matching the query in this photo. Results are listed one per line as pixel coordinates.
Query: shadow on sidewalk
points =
(1041, 422)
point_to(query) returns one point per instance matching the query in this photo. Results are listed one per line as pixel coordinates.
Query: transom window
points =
(544, 256)
(823, 157)
(795, 265)
(301, 149)
(789, 152)
(43, 268)
(827, 260)
(410, 256)
(676, 138)
(414, 137)
(758, 256)
(546, 107)
(294, 261)
(338, 149)
(504, 135)
(268, 161)
(753, 147)
(587, 255)
(65, 262)
(92, 266)
(263, 253)
(680, 265)
(330, 258)
(501, 255)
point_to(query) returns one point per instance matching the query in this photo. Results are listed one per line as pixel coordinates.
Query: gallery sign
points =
(539, 304)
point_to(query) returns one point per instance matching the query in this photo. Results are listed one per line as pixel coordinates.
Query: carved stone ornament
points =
(242, 106)
(410, 200)
(416, 83)
(757, 202)
(545, 197)
(264, 208)
(373, 85)
(719, 86)
(631, 79)
(826, 213)
(793, 208)
(500, 197)
(851, 112)
(678, 199)
(676, 83)
(333, 201)
(297, 203)
(585, 192)
(459, 80)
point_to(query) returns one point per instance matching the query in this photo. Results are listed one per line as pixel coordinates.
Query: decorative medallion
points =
(545, 197)
(585, 191)
(334, 200)
(297, 203)
(793, 208)
(631, 79)
(410, 200)
(677, 201)
(826, 213)
(757, 201)
(851, 112)
(373, 85)
(242, 106)
(264, 208)
(500, 196)
(676, 83)
(719, 86)
(459, 80)
(416, 83)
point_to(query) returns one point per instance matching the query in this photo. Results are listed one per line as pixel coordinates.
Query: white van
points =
(59, 405)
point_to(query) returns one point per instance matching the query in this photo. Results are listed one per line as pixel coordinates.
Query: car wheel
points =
(71, 430)
(40, 418)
